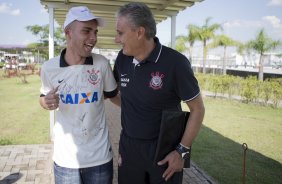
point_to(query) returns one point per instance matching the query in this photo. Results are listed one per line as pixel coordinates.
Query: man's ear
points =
(141, 32)
(67, 32)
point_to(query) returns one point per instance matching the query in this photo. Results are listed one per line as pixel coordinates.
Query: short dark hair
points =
(139, 15)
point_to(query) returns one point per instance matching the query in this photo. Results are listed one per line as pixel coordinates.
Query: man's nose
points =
(117, 40)
(93, 36)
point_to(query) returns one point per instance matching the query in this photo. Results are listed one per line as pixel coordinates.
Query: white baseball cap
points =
(81, 13)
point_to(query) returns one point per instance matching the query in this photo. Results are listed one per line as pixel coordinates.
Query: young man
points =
(74, 84)
(151, 78)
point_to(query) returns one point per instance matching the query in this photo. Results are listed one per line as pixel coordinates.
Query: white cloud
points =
(7, 9)
(275, 25)
(15, 12)
(43, 10)
(273, 20)
(230, 24)
(242, 23)
(26, 42)
(4, 8)
(246, 28)
(275, 3)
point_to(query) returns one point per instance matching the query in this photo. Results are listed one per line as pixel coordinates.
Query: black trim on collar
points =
(63, 63)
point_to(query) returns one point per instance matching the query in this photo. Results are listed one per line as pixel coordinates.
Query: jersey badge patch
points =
(156, 81)
(93, 76)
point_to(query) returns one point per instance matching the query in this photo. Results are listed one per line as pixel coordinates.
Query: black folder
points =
(173, 124)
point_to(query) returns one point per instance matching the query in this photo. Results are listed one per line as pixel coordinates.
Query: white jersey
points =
(80, 132)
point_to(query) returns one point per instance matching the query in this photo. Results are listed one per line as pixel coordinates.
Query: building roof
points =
(161, 9)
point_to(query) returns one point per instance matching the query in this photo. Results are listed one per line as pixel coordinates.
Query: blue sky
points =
(241, 19)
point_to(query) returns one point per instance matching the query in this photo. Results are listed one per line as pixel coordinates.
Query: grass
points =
(217, 149)
(23, 121)
(229, 124)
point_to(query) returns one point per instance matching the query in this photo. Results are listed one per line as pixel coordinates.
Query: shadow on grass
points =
(222, 158)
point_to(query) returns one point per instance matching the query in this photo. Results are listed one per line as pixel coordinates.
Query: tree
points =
(43, 33)
(182, 40)
(204, 33)
(192, 37)
(262, 44)
(180, 43)
(223, 41)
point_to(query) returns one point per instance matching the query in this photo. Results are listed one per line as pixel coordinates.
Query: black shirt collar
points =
(155, 54)
(63, 63)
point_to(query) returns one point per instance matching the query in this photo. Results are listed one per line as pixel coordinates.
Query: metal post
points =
(173, 31)
(245, 147)
(51, 55)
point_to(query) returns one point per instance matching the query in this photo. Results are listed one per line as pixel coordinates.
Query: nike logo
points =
(122, 75)
(59, 81)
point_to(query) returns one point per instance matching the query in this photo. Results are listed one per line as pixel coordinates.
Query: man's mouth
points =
(90, 46)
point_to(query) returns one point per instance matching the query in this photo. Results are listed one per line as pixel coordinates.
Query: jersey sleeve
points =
(187, 86)
(46, 85)
(110, 86)
(116, 67)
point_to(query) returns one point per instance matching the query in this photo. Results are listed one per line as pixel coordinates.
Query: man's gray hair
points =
(139, 15)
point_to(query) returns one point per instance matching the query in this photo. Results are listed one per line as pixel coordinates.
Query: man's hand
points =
(175, 164)
(51, 100)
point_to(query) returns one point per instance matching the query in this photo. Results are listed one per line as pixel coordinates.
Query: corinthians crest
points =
(156, 81)
(93, 76)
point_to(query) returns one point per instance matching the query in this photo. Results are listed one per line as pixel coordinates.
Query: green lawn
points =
(23, 121)
(217, 149)
(229, 124)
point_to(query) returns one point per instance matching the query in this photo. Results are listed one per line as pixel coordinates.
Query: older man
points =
(152, 78)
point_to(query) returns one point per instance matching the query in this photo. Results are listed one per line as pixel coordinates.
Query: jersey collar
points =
(155, 54)
(63, 63)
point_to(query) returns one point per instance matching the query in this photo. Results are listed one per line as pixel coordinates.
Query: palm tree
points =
(180, 43)
(262, 44)
(192, 37)
(223, 41)
(204, 34)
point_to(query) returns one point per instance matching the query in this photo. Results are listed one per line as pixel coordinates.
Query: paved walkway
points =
(32, 164)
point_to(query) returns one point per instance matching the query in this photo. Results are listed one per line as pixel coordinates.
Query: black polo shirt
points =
(159, 82)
